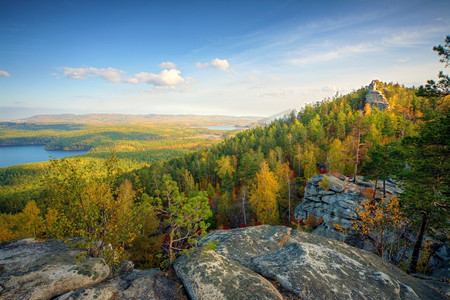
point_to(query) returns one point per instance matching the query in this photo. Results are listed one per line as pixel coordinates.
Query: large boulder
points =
(305, 265)
(209, 275)
(42, 270)
(317, 268)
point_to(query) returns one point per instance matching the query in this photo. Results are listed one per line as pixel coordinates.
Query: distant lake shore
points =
(226, 127)
(17, 155)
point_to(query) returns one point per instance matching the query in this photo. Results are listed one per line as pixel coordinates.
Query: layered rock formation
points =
(376, 98)
(336, 201)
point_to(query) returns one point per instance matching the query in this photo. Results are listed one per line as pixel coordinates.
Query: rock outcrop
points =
(30, 269)
(376, 98)
(335, 202)
(304, 265)
(261, 262)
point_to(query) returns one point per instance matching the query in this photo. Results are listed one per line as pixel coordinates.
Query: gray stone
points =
(366, 184)
(209, 275)
(313, 267)
(124, 267)
(300, 214)
(147, 284)
(330, 199)
(324, 231)
(315, 199)
(242, 244)
(376, 98)
(335, 184)
(42, 270)
(326, 192)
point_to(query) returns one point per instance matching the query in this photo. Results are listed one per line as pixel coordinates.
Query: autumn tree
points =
(384, 225)
(26, 224)
(263, 197)
(84, 202)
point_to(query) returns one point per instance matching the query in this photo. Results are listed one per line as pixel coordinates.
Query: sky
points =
(240, 58)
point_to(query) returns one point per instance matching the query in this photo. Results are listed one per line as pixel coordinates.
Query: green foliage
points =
(185, 218)
(85, 203)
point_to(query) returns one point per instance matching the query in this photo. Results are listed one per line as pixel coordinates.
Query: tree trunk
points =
(418, 245)
(243, 208)
(375, 189)
(289, 197)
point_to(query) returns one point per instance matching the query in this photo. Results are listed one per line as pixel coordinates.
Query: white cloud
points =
(169, 78)
(217, 63)
(4, 74)
(167, 65)
(109, 74)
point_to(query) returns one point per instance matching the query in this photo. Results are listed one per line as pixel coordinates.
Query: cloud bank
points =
(4, 74)
(169, 77)
(217, 63)
(167, 65)
(166, 77)
(109, 74)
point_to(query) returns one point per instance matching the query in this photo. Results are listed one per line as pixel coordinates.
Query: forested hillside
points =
(256, 177)
(274, 161)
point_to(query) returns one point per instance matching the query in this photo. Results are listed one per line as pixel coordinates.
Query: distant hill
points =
(269, 119)
(188, 120)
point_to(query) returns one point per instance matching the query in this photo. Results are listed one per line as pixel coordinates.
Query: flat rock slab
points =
(208, 275)
(242, 244)
(42, 270)
(306, 265)
(146, 284)
(313, 267)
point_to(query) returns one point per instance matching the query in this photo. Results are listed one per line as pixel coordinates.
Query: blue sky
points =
(208, 57)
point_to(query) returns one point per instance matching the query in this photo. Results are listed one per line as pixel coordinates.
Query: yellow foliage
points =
(25, 224)
(375, 219)
(263, 197)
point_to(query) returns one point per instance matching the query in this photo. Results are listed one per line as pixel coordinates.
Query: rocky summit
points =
(261, 262)
(376, 98)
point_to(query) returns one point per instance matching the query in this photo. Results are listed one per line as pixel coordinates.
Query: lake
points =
(225, 127)
(17, 155)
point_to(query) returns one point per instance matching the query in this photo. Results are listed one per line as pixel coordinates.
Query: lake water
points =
(225, 127)
(17, 155)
